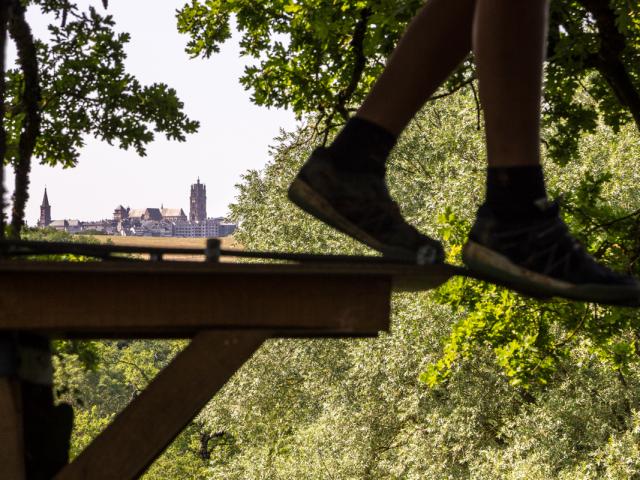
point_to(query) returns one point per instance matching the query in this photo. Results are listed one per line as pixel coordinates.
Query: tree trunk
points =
(27, 58)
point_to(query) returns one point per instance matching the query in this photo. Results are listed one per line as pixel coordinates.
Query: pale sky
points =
(234, 134)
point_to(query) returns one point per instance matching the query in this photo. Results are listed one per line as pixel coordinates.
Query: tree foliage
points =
(87, 91)
(72, 85)
(312, 56)
(473, 381)
(98, 390)
(512, 387)
(322, 56)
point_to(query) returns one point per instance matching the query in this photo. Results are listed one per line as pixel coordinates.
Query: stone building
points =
(173, 214)
(67, 225)
(210, 227)
(145, 214)
(120, 213)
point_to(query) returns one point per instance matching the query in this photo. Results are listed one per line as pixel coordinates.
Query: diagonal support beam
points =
(136, 437)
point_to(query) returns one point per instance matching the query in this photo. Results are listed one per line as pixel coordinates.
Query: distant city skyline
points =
(234, 135)
(148, 221)
(47, 200)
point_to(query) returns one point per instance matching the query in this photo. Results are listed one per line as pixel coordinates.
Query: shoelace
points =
(564, 242)
(560, 247)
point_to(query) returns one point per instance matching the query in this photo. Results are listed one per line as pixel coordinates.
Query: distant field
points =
(169, 242)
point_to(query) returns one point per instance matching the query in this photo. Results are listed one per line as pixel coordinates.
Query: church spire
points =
(45, 211)
(45, 199)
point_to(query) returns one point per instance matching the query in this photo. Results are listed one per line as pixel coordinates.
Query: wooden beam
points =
(12, 458)
(245, 303)
(177, 299)
(145, 427)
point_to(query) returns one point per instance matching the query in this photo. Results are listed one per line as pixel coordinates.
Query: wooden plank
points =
(428, 276)
(141, 432)
(12, 465)
(177, 299)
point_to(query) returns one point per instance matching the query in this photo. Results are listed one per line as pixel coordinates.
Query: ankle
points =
(515, 192)
(362, 146)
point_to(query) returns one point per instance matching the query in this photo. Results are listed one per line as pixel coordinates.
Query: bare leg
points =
(435, 43)
(508, 43)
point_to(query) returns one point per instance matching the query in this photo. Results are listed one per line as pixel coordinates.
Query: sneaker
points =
(358, 204)
(540, 258)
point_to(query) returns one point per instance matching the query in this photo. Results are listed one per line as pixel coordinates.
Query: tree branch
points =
(453, 90)
(27, 58)
(478, 107)
(138, 368)
(360, 61)
(608, 61)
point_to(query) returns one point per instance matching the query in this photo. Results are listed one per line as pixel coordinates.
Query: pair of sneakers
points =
(537, 256)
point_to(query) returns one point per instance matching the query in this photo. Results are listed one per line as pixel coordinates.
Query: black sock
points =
(512, 191)
(362, 146)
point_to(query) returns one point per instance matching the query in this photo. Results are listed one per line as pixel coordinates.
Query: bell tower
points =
(198, 202)
(45, 211)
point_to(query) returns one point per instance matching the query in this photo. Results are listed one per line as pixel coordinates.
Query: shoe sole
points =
(499, 269)
(306, 198)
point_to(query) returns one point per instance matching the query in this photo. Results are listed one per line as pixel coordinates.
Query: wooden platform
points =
(229, 310)
(177, 299)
